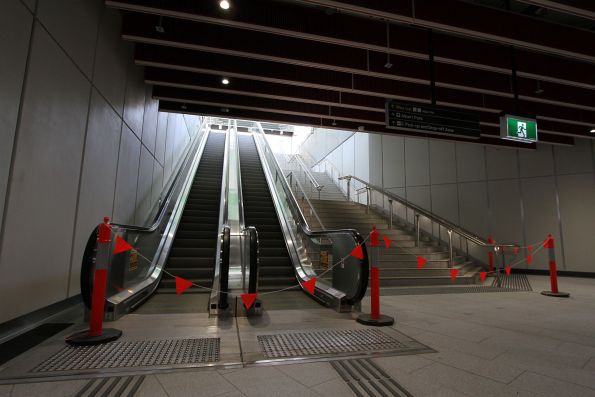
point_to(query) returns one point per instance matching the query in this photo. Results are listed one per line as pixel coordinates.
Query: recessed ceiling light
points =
(224, 4)
(225, 81)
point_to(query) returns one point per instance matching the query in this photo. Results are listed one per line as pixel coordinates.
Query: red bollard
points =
(375, 318)
(491, 255)
(549, 244)
(96, 334)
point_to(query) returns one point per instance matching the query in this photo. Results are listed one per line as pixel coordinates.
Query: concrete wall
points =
(517, 196)
(81, 138)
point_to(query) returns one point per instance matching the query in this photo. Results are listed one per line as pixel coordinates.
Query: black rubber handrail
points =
(254, 253)
(224, 276)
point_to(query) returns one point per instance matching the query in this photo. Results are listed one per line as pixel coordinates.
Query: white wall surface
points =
(516, 196)
(81, 139)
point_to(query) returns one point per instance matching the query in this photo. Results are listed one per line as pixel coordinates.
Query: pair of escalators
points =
(189, 237)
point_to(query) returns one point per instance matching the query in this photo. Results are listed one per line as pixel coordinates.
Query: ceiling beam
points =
(580, 8)
(293, 20)
(376, 117)
(360, 87)
(259, 115)
(463, 18)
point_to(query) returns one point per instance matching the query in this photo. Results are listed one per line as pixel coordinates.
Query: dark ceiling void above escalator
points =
(334, 63)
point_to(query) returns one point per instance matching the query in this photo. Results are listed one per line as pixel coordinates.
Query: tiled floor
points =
(496, 344)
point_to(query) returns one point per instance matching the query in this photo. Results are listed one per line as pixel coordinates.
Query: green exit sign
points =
(518, 128)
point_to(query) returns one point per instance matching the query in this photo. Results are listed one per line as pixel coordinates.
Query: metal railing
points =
(348, 283)
(419, 212)
(311, 208)
(314, 185)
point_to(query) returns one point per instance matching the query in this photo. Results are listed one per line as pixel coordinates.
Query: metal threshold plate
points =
(130, 354)
(351, 342)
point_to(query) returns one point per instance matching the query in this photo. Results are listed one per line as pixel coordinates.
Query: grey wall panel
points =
(144, 194)
(505, 208)
(169, 145)
(473, 207)
(575, 159)
(111, 59)
(443, 162)
(502, 163)
(577, 195)
(128, 164)
(419, 195)
(470, 162)
(157, 186)
(161, 137)
(30, 4)
(538, 162)
(348, 148)
(14, 41)
(98, 179)
(45, 181)
(445, 201)
(361, 155)
(541, 215)
(375, 155)
(149, 135)
(63, 17)
(134, 102)
(417, 164)
(393, 161)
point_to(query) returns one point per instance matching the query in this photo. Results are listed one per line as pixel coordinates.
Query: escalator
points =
(193, 252)
(275, 267)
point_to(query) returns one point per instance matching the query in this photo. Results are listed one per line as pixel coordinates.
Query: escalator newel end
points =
(96, 334)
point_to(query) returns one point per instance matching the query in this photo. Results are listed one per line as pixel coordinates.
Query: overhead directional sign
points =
(518, 128)
(431, 119)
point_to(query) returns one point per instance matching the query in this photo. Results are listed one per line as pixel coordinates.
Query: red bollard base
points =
(83, 338)
(556, 294)
(381, 321)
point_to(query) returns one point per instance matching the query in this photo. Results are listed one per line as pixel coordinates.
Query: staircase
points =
(398, 264)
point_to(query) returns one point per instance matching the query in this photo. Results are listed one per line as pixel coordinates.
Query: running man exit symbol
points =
(521, 129)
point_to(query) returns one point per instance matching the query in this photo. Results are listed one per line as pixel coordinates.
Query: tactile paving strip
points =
(514, 282)
(327, 342)
(124, 354)
(366, 378)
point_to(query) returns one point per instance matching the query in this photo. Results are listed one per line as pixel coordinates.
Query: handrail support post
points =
(368, 199)
(450, 250)
(417, 231)
(390, 212)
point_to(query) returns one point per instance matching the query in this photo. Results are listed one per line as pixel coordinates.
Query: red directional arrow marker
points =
(386, 241)
(507, 269)
(248, 300)
(310, 285)
(121, 246)
(529, 259)
(182, 285)
(453, 274)
(358, 252)
(515, 250)
(530, 248)
(482, 276)
(421, 262)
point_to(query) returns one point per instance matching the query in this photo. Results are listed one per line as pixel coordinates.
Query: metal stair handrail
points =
(418, 211)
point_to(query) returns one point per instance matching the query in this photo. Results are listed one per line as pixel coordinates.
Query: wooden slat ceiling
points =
(322, 62)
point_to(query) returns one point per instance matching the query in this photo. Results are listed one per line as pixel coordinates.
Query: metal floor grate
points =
(327, 342)
(514, 282)
(111, 387)
(366, 378)
(133, 354)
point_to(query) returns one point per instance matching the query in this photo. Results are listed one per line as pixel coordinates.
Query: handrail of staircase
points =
(301, 187)
(303, 225)
(326, 161)
(451, 227)
(308, 173)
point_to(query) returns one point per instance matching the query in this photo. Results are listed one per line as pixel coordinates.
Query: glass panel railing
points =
(341, 279)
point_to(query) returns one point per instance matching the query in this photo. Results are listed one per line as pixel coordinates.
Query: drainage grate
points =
(325, 342)
(513, 282)
(366, 378)
(133, 354)
(111, 387)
